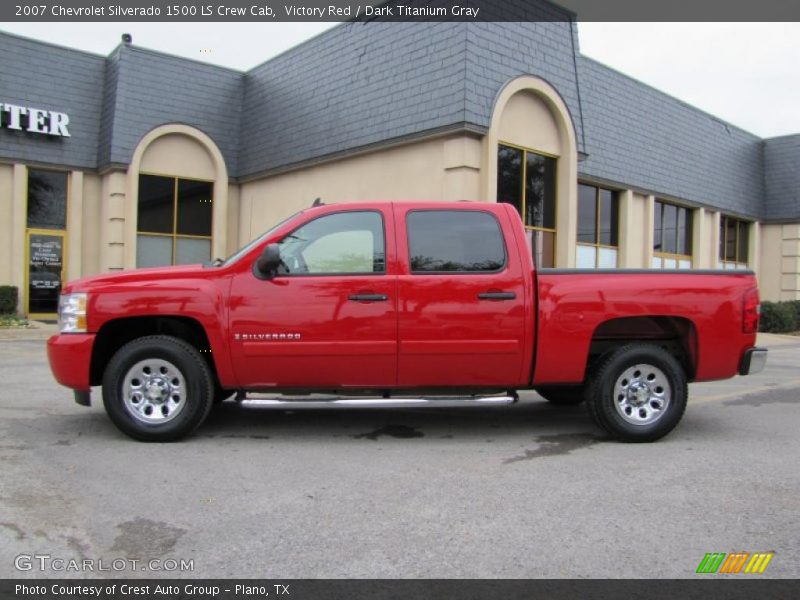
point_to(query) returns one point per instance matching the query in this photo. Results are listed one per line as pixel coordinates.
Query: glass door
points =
(45, 272)
(45, 242)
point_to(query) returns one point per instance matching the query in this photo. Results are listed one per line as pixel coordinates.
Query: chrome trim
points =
(753, 361)
(341, 403)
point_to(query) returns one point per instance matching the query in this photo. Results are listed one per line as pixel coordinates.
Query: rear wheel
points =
(637, 393)
(562, 395)
(157, 389)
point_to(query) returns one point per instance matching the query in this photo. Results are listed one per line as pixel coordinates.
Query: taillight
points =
(751, 311)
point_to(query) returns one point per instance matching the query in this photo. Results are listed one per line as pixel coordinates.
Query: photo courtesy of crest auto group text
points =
(500, 297)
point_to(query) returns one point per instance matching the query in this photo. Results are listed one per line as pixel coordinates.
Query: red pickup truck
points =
(386, 304)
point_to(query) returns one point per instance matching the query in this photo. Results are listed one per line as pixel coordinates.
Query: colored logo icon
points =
(736, 562)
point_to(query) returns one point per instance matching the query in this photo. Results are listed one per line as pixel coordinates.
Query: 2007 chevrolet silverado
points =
(400, 304)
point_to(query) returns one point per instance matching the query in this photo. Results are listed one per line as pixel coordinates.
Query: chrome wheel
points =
(642, 394)
(154, 391)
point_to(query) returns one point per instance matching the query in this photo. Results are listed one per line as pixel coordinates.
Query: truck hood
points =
(135, 276)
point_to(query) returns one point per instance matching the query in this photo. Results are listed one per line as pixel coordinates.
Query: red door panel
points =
(306, 330)
(460, 329)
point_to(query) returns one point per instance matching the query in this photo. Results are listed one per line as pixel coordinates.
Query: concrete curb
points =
(37, 331)
(776, 339)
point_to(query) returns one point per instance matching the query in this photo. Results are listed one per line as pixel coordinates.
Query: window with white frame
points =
(672, 236)
(734, 236)
(598, 227)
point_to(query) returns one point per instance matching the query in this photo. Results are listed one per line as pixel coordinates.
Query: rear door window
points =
(454, 241)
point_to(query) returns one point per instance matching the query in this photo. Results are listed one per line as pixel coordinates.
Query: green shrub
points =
(795, 305)
(8, 299)
(778, 317)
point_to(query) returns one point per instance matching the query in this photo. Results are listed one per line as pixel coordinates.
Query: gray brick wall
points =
(354, 85)
(359, 84)
(153, 89)
(782, 176)
(109, 110)
(499, 52)
(639, 136)
(51, 77)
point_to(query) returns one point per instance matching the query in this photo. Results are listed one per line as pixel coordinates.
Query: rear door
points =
(462, 301)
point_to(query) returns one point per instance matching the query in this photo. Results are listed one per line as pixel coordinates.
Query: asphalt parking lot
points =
(527, 491)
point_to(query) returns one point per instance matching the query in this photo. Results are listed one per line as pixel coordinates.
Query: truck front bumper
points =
(70, 356)
(753, 361)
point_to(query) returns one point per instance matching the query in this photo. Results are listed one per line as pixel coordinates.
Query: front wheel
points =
(637, 393)
(157, 389)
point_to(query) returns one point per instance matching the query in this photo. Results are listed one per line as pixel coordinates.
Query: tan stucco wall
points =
(6, 205)
(74, 254)
(90, 246)
(177, 155)
(232, 236)
(526, 121)
(635, 231)
(112, 221)
(790, 262)
(779, 262)
(702, 239)
(754, 243)
(437, 169)
(19, 221)
(770, 264)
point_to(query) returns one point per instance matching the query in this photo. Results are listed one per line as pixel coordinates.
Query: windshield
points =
(248, 247)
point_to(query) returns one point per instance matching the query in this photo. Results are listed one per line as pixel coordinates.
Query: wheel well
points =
(115, 334)
(676, 335)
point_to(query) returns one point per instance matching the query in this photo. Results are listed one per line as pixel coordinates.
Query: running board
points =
(340, 403)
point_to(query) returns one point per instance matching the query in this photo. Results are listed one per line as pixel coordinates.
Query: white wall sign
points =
(34, 120)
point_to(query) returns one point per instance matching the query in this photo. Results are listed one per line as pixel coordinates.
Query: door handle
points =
(497, 296)
(368, 297)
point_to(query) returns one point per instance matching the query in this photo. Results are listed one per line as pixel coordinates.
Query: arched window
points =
(174, 221)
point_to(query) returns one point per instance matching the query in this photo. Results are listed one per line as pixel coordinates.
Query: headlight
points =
(72, 313)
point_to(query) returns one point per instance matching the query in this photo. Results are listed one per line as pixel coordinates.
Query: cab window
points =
(454, 241)
(341, 243)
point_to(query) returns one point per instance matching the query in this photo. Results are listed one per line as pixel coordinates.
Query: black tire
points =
(165, 360)
(562, 395)
(646, 384)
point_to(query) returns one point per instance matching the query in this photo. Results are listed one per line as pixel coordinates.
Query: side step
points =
(335, 402)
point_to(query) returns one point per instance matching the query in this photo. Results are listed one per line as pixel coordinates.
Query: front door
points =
(462, 312)
(45, 272)
(329, 318)
(45, 242)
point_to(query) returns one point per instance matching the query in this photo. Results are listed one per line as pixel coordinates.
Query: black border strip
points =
(701, 587)
(424, 11)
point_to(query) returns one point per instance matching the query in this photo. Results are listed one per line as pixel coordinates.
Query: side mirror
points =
(267, 263)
